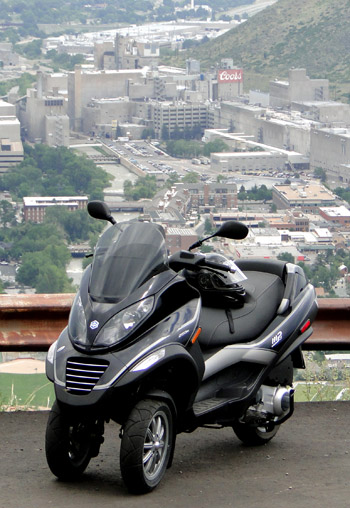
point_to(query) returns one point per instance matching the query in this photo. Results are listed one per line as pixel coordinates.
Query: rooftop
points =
(336, 211)
(308, 192)
(49, 200)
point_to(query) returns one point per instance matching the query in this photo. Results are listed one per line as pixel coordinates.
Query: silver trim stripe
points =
(82, 376)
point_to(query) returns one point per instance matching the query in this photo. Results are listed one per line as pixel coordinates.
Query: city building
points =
(34, 208)
(11, 147)
(309, 197)
(179, 239)
(170, 116)
(209, 196)
(338, 215)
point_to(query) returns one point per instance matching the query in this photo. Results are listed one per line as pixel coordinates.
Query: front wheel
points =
(255, 436)
(146, 445)
(68, 445)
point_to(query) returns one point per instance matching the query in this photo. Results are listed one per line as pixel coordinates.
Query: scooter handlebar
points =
(191, 261)
(217, 266)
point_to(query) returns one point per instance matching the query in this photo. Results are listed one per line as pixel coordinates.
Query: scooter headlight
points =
(77, 321)
(123, 323)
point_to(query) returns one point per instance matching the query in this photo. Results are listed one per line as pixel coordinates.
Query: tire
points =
(255, 436)
(68, 445)
(146, 446)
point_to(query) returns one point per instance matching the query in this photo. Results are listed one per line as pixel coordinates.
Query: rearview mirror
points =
(100, 210)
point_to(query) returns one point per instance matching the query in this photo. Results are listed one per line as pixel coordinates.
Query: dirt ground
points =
(306, 464)
(23, 366)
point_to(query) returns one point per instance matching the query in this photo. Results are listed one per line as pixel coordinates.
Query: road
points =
(306, 465)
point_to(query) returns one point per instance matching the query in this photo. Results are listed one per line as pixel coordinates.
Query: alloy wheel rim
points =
(155, 445)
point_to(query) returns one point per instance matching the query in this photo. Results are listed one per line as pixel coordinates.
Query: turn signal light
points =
(196, 335)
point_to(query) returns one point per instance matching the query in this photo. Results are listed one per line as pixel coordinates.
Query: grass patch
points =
(320, 391)
(26, 391)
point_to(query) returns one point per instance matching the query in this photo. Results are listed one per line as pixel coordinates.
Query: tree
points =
(208, 227)
(242, 195)
(191, 177)
(47, 171)
(7, 214)
(286, 256)
(31, 50)
(218, 145)
(164, 133)
(144, 187)
(45, 270)
(77, 225)
(148, 133)
(321, 174)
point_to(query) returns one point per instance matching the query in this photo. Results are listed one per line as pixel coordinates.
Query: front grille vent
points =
(82, 374)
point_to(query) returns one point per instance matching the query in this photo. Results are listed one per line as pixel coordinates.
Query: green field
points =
(317, 391)
(34, 391)
(26, 391)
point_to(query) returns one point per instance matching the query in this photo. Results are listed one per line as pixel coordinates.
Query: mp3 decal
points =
(276, 339)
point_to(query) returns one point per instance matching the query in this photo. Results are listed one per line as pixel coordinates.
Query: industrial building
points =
(246, 162)
(330, 150)
(298, 88)
(43, 112)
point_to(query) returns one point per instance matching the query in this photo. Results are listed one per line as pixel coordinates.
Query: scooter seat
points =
(224, 326)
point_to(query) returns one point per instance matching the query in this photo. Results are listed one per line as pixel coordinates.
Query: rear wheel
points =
(68, 444)
(255, 436)
(146, 445)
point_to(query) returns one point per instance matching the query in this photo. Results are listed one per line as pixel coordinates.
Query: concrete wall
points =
(299, 87)
(37, 108)
(7, 109)
(56, 80)
(254, 121)
(329, 150)
(10, 128)
(57, 130)
(235, 114)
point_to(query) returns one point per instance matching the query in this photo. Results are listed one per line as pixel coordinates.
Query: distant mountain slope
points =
(314, 34)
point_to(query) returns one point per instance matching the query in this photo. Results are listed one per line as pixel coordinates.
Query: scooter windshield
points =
(126, 255)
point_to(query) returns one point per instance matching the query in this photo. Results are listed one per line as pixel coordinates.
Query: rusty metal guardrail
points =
(33, 322)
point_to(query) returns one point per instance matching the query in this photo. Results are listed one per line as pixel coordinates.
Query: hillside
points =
(314, 34)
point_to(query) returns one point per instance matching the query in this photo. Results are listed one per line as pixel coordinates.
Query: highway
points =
(306, 465)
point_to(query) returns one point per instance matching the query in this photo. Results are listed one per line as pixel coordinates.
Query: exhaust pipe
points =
(276, 400)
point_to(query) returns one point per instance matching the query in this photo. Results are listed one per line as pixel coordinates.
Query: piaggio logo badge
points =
(94, 324)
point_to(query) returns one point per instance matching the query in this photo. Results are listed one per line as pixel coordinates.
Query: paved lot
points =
(306, 465)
